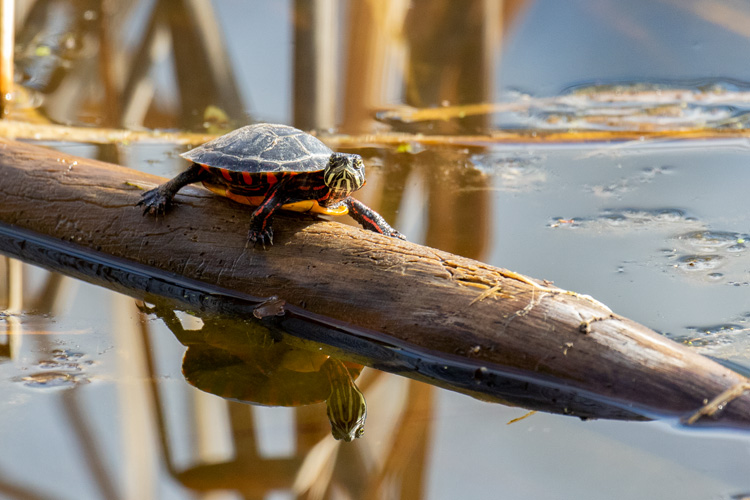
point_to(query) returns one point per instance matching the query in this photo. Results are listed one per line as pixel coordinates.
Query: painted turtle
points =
(274, 167)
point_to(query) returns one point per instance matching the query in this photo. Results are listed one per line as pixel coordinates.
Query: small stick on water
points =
(719, 402)
(526, 415)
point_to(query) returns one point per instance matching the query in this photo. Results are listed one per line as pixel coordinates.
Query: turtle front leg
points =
(158, 200)
(261, 230)
(370, 219)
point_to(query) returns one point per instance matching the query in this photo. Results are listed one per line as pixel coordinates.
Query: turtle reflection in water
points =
(245, 361)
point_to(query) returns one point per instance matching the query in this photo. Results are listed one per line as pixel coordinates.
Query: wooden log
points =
(392, 304)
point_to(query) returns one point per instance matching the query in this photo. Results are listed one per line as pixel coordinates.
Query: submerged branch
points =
(391, 304)
(12, 129)
(60, 133)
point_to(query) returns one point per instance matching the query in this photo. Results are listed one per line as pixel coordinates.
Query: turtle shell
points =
(263, 148)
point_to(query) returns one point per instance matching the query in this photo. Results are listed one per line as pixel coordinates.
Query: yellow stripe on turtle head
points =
(345, 173)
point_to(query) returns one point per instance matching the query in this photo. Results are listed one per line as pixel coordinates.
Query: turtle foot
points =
(262, 236)
(154, 202)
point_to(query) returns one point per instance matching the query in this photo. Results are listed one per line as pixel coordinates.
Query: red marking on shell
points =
(248, 178)
(226, 174)
(271, 179)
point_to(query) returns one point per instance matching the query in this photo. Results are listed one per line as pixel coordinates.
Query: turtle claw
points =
(396, 234)
(262, 236)
(154, 202)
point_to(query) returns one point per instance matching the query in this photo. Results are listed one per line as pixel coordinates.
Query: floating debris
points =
(712, 241)
(66, 355)
(512, 171)
(526, 415)
(57, 365)
(701, 253)
(52, 379)
(563, 222)
(724, 338)
(630, 183)
(709, 255)
(642, 107)
(626, 219)
(693, 263)
(63, 369)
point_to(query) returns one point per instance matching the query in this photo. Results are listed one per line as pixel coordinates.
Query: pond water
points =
(101, 399)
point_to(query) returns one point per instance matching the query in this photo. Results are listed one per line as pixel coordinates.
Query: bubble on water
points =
(57, 365)
(66, 355)
(667, 215)
(705, 250)
(712, 241)
(718, 329)
(615, 219)
(515, 172)
(693, 263)
(712, 336)
(630, 218)
(671, 215)
(627, 184)
(63, 359)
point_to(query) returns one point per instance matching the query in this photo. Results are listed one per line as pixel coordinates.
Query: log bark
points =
(391, 304)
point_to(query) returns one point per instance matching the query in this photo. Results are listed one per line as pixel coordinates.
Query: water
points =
(96, 404)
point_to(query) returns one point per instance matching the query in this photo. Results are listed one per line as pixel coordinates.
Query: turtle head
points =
(344, 174)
